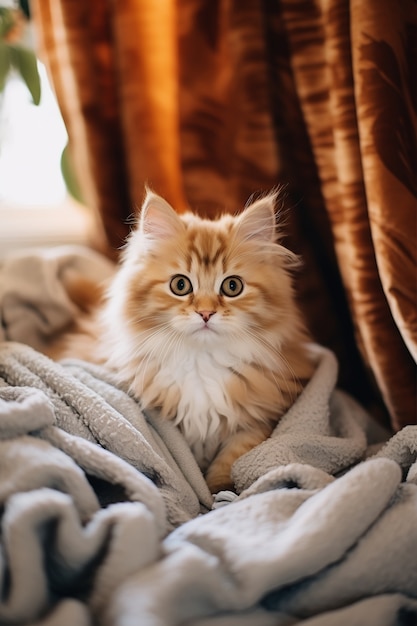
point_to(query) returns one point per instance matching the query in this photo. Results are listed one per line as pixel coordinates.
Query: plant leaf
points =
(69, 176)
(5, 64)
(26, 63)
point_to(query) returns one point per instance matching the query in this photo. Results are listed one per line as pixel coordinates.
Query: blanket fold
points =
(325, 428)
(34, 304)
(312, 552)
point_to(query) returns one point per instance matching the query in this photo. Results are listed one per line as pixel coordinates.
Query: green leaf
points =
(26, 64)
(69, 175)
(5, 64)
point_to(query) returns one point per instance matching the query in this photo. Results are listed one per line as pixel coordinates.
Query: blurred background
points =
(209, 102)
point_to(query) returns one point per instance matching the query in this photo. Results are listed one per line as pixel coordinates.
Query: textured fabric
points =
(353, 78)
(209, 102)
(34, 303)
(100, 511)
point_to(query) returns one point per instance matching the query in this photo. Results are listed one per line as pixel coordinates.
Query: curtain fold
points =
(210, 102)
(145, 54)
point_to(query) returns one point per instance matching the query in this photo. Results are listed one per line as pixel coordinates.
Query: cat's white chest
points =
(204, 402)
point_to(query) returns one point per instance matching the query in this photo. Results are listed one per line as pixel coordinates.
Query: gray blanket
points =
(106, 518)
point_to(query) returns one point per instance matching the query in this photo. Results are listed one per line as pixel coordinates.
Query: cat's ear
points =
(258, 220)
(158, 219)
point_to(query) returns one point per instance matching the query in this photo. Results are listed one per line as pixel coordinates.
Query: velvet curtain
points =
(210, 101)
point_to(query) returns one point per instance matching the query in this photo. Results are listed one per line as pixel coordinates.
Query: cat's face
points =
(207, 283)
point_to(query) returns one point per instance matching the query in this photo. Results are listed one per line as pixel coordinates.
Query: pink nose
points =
(206, 315)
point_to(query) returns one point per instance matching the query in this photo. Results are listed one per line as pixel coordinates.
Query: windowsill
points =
(22, 228)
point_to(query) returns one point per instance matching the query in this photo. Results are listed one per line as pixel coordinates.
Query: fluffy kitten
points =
(200, 322)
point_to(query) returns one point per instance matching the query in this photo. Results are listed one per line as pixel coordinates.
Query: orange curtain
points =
(209, 102)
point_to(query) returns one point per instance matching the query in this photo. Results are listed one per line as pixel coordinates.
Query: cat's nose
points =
(206, 315)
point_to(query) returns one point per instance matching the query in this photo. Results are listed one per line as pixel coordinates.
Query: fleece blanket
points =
(106, 518)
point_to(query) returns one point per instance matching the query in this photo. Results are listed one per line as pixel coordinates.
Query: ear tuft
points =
(158, 219)
(257, 221)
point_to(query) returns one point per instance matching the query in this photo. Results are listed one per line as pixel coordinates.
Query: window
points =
(35, 207)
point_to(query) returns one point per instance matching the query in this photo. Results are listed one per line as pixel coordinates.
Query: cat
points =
(200, 322)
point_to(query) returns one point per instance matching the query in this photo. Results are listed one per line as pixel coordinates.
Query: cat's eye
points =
(232, 286)
(180, 285)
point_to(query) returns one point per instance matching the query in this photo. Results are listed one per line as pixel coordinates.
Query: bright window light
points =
(35, 207)
(32, 139)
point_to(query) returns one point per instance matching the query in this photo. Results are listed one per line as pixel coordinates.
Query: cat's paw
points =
(218, 482)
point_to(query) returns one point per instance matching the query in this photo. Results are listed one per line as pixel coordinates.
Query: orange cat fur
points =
(200, 323)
